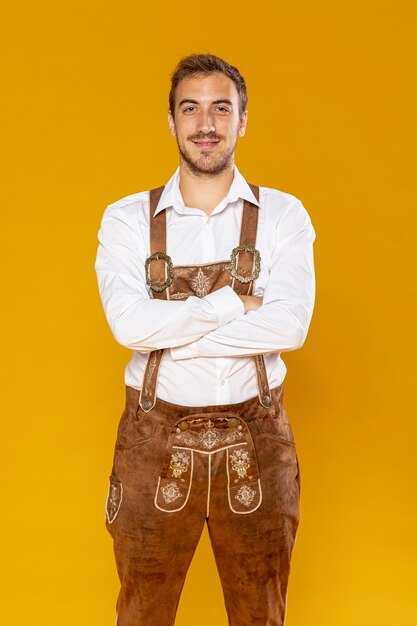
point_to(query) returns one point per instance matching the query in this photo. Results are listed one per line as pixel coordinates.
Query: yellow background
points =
(332, 103)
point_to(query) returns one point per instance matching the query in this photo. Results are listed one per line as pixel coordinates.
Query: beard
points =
(207, 163)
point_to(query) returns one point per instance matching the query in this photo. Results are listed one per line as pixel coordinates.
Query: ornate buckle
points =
(233, 263)
(155, 257)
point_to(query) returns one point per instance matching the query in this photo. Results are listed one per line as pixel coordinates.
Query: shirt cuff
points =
(226, 304)
(228, 307)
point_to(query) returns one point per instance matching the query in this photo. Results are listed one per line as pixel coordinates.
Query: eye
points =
(188, 109)
(222, 109)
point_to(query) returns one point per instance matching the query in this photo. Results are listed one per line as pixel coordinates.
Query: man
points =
(204, 437)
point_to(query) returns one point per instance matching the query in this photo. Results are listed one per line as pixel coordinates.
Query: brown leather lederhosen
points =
(176, 467)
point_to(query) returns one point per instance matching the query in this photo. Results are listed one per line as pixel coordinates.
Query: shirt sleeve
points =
(282, 321)
(138, 321)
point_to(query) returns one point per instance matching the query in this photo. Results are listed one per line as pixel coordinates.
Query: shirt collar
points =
(172, 197)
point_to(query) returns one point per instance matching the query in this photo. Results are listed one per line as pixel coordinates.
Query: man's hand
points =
(251, 303)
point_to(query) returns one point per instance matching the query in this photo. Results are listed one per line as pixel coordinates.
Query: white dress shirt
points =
(209, 341)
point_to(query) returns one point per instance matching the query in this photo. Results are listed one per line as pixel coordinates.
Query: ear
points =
(242, 123)
(171, 123)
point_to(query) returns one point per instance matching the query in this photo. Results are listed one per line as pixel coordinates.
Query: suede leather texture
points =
(204, 475)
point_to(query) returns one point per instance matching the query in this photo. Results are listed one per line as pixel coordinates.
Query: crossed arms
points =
(215, 325)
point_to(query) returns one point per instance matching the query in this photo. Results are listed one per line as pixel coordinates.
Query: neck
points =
(204, 191)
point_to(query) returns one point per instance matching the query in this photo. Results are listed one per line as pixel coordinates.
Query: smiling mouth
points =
(206, 144)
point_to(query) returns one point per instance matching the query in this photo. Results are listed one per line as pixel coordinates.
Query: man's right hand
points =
(251, 303)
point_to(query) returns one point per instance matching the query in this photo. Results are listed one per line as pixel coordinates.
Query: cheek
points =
(232, 126)
(186, 129)
(232, 133)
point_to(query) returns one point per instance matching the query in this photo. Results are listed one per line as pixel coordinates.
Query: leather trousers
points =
(175, 468)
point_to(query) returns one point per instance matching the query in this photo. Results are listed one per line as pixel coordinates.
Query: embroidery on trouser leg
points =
(114, 499)
(244, 490)
(173, 490)
(179, 464)
(240, 463)
(245, 495)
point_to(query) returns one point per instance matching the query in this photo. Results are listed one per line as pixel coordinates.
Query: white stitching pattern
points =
(209, 485)
(228, 491)
(113, 500)
(188, 493)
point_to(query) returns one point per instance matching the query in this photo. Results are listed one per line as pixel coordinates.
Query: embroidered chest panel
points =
(199, 280)
(180, 281)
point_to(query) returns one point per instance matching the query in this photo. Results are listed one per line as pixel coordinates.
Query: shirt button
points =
(222, 382)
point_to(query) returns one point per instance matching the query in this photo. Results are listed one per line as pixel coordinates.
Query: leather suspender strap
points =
(248, 266)
(245, 267)
(161, 263)
(245, 257)
(157, 234)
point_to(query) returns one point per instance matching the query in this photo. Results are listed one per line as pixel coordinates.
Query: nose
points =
(206, 122)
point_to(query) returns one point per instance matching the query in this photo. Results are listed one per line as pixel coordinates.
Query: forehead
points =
(205, 88)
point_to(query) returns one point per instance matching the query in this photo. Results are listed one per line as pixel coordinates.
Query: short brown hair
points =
(195, 64)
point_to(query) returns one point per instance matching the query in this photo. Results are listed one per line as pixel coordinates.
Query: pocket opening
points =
(278, 429)
(135, 432)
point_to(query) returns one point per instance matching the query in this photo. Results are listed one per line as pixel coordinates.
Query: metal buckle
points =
(233, 263)
(155, 257)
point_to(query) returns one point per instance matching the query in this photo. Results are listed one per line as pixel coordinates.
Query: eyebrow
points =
(222, 101)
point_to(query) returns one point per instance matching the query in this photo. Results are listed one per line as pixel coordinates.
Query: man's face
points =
(206, 122)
